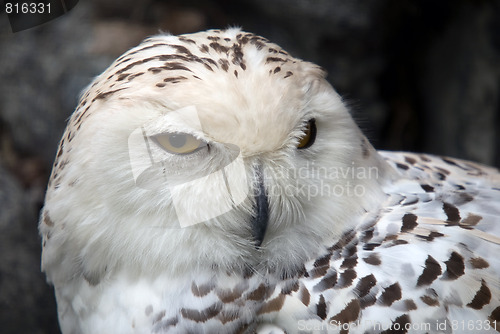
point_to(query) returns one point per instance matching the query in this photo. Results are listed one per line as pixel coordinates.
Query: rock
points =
(460, 82)
(47, 68)
(26, 301)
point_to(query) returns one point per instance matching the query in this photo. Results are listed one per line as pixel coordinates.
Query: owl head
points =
(216, 149)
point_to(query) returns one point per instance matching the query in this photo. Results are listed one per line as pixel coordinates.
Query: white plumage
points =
(212, 183)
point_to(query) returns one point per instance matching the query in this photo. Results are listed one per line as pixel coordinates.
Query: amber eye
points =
(179, 143)
(309, 135)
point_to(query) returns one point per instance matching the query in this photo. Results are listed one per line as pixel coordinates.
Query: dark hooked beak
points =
(261, 209)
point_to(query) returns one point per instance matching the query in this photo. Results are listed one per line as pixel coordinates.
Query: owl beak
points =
(261, 209)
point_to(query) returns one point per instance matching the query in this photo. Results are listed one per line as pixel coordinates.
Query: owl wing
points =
(426, 261)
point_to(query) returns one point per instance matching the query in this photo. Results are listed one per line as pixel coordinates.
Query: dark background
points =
(421, 76)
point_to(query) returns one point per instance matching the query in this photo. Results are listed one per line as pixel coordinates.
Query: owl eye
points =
(309, 135)
(179, 143)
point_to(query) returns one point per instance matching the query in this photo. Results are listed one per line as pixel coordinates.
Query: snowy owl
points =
(213, 183)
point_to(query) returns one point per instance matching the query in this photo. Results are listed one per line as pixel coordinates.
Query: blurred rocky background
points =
(418, 75)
